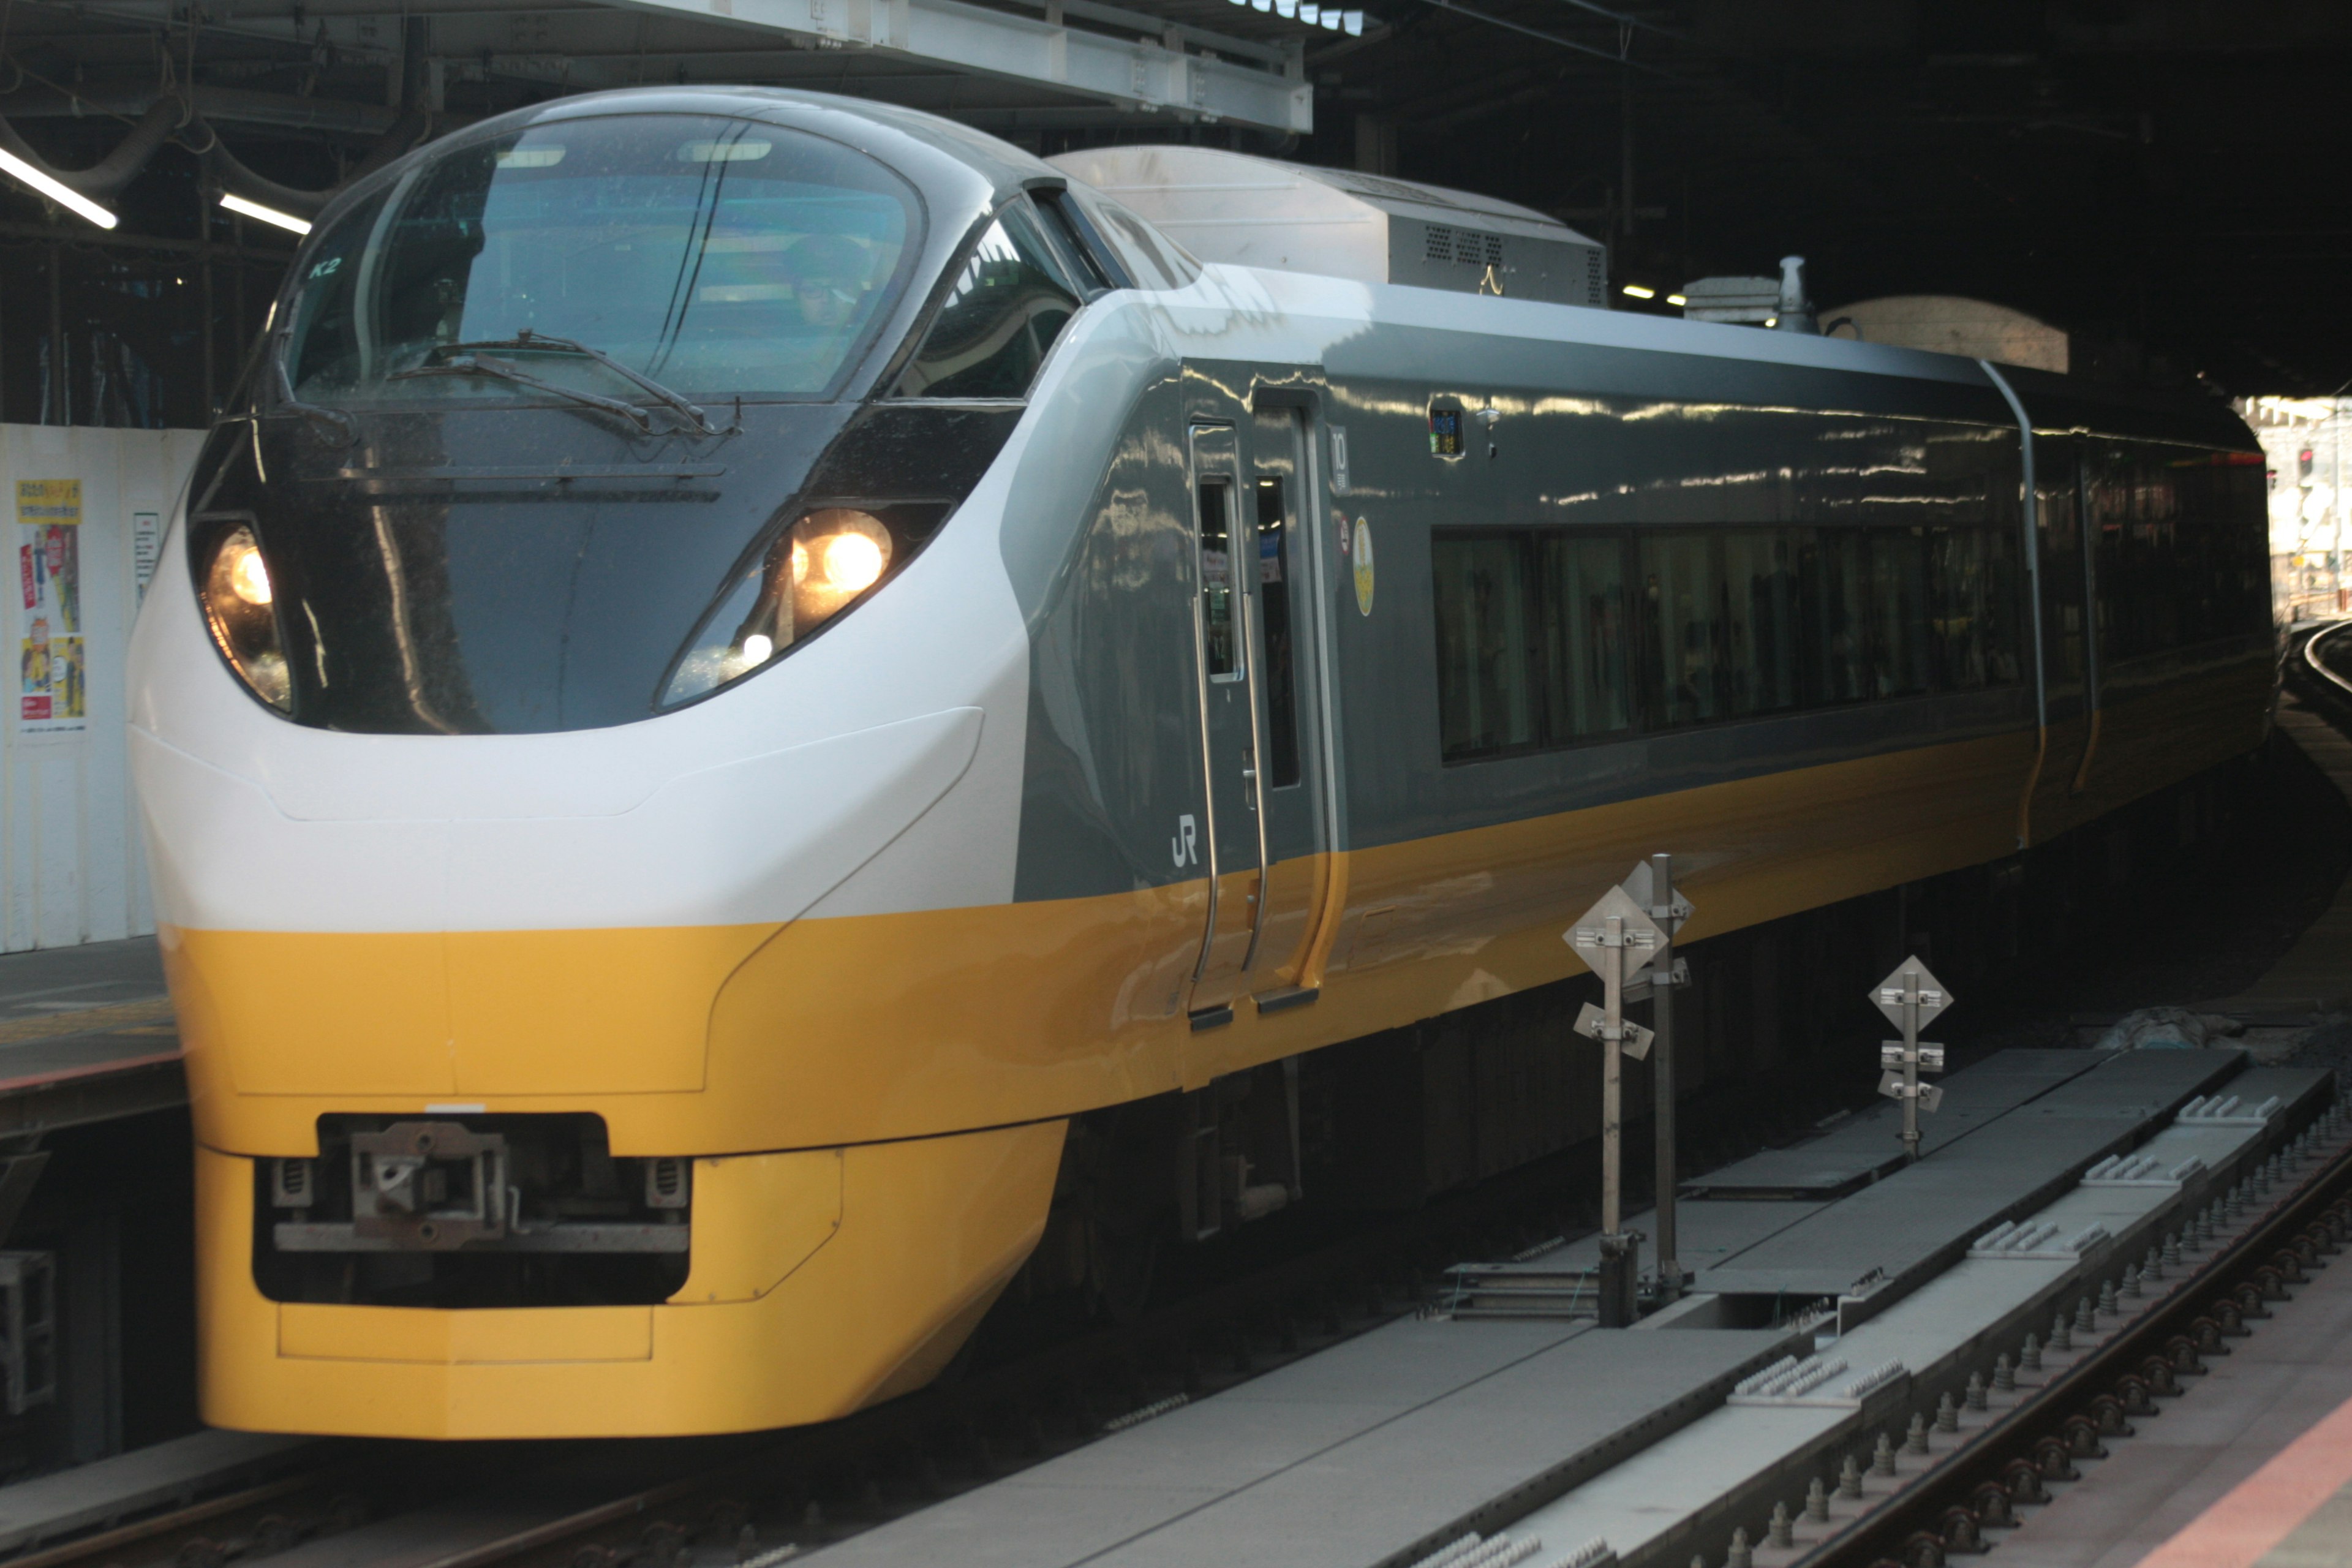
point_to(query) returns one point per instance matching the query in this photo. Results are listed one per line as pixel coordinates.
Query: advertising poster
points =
(53, 676)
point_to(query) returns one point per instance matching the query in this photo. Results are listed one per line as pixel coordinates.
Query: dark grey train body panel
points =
(1600, 421)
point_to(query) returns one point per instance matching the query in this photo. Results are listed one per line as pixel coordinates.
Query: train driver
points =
(828, 274)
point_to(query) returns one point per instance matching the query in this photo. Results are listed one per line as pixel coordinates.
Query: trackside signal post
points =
(1652, 886)
(1618, 940)
(1910, 997)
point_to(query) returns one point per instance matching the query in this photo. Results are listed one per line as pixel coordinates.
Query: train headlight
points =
(809, 573)
(239, 607)
(838, 553)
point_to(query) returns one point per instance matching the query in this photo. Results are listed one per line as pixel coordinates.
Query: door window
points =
(1218, 581)
(1274, 614)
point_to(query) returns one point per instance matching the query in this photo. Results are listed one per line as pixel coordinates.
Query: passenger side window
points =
(1542, 632)
(1274, 611)
(1530, 639)
(1008, 303)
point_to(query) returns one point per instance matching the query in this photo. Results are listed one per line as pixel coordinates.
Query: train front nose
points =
(493, 746)
(546, 1180)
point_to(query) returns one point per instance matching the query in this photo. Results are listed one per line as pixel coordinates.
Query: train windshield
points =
(711, 255)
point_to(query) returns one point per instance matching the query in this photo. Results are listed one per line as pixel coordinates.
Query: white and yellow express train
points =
(766, 682)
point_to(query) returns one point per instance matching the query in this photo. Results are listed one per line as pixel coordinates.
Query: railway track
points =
(2324, 661)
(1963, 1504)
(764, 1497)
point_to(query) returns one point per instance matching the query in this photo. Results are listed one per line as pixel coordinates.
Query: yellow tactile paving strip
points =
(114, 1018)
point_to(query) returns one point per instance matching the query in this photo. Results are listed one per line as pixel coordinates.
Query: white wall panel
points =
(70, 866)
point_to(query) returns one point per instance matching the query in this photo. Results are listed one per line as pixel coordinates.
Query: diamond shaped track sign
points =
(1636, 932)
(1889, 993)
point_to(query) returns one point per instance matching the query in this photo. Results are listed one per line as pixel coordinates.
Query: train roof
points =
(963, 173)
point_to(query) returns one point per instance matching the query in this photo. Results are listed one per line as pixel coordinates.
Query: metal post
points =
(1613, 1134)
(1910, 1066)
(1616, 938)
(1911, 998)
(2335, 493)
(1662, 1072)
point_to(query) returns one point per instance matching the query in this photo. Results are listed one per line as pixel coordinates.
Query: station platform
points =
(86, 1035)
(2256, 1467)
(1510, 1415)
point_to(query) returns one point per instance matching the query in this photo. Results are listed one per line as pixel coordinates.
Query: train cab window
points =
(1274, 614)
(716, 255)
(1009, 300)
(1222, 648)
(1090, 259)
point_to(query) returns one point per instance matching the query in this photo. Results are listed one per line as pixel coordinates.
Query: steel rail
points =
(1890, 1532)
(153, 1525)
(2320, 665)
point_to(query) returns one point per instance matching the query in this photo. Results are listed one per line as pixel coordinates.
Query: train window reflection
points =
(1274, 612)
(1533, 644)
(1531, 639)
(1008, 302)
(1220, 647)
(717, 255)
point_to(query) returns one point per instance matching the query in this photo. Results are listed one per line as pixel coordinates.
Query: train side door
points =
(1233, 839)
(1260, 709)
(1284, 602)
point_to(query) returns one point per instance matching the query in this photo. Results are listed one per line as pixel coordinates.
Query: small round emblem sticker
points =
(1363, 554)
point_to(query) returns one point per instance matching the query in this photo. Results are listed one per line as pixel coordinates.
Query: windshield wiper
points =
(468, 360)
(527, 340)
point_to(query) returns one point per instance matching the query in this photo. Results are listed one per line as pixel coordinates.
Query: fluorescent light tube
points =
(266, 215)
(19, 170)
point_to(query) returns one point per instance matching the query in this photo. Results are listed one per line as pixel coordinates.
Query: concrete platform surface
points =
(86, 1035)
(2292, 1373)
(1921, 1218)
(1385, 1445)
(1868, 1144)
(1709, 1231)
(1684, 1495)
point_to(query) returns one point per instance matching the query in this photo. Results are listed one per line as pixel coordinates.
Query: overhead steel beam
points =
(1114, 57)
(1139, 74)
